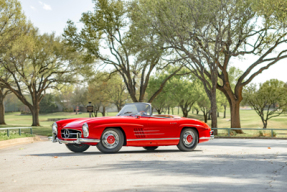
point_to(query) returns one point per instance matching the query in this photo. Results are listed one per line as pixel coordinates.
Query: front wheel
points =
(77, 148)
(188, 140)
(150, 148)
(111, 141)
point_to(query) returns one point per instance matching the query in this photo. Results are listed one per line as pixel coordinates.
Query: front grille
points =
(70, 133)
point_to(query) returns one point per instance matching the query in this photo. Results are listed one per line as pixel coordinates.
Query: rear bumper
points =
(208, 138)
(211, 137)
(77, 141)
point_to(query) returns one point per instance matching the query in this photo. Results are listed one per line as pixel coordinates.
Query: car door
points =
(162, 130)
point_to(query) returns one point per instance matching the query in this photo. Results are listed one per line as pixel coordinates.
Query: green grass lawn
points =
(249, 119)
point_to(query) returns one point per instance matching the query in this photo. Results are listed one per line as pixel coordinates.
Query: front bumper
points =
(54, 139)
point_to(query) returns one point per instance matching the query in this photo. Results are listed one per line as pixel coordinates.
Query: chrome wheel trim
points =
(185, 140)
(105, 139)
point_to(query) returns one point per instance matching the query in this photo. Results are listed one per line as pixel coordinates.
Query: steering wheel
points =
(143, 113)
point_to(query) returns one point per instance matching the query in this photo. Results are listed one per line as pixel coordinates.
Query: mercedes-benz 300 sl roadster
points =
(133, 126)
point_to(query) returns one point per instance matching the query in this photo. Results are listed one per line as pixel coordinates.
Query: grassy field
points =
(249, 119)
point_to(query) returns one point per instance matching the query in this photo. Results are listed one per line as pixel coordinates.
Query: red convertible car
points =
(133, 126)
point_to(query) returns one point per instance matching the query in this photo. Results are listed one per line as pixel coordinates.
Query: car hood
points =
(77, 123)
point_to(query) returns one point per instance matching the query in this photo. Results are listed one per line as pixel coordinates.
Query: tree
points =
(101, 91)
(186, 26)
(119, 94)
(3, 93)
(223, 102)
(79, 97)
(134, 50)
(204, 105)
(165, 98)
(37, 63)
(268, 101)
(185, 91)
(233, 75)
(48, 105)
(231, 29)
(13, 25)
(180, 90)
(63, 97)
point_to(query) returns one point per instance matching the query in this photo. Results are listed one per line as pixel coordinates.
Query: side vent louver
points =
(139, 133)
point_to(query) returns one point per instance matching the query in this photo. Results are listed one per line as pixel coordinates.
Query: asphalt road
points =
(218, 165)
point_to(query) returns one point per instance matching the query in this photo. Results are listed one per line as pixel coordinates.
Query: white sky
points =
(52, 15)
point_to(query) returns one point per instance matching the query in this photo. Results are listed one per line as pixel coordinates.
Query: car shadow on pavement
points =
(69, 154)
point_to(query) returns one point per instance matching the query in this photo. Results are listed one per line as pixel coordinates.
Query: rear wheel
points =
(111, 141)
(150, 148)
(188, 140)
(77, 148)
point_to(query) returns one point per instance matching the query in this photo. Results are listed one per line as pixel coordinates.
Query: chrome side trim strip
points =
(152, 139)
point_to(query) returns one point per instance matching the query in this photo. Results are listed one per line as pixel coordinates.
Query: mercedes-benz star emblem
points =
(66, 133)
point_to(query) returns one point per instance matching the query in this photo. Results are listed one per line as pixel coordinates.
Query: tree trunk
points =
(235, 115)
(265, 125)
(178, 110)
(96, 113)
(209, 114)
(197, 111)
(217, 114)
(104, 111)
(158, 111)
(118, 108)
(168, 110)
(214, 112)
(205, 117)
(234, 100)
(264, 122)
(35, 115)
(184, 111)
(172, 110)
(224, 114)
(2, 110)
(185, 114)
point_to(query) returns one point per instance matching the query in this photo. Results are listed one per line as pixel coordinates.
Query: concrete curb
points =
(18, 141)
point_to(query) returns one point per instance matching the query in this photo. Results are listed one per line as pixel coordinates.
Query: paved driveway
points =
(218, 165)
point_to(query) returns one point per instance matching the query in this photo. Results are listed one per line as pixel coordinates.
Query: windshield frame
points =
(150, 109)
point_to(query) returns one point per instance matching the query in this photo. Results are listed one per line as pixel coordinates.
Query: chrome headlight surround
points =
(55, 128)
(85, 128)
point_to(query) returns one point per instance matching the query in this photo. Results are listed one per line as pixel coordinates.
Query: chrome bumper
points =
(77, 141)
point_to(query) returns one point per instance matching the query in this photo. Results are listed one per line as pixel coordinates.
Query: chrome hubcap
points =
(110, 139)
(188, 139)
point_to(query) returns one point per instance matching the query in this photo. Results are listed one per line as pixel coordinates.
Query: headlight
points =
(55, 128)
(85, 130)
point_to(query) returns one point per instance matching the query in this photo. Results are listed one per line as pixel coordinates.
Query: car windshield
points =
(139, 109)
